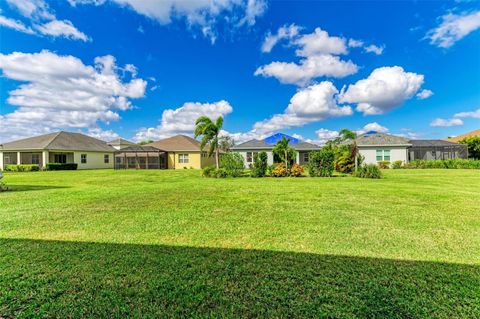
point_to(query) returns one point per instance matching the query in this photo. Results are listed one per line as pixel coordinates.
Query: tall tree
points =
(282, 149)
(209, 131)
(225, 143)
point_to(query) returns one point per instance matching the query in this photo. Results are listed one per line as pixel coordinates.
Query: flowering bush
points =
(280, 170)
(296, 170)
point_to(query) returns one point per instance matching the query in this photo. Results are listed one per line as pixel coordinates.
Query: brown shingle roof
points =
(67, 141)
(461, 137)
(177, 143)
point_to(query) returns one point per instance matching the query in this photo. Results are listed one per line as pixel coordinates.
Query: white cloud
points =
(384, 89)
(202, 15)
(320, 42)
(352, 43)
(311, 104)
(43, 20)
(446, 122)
(424, 94)
(15, 24)
(100, 134)
(323, 136)
(372, 48)
(182, 120)
(63, 93)
(374, 126)
(473, 114)
(284, 32)
(312, 67)
(65, 28)
(453, 28)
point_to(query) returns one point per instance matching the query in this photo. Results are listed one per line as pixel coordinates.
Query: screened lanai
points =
(140, 157)
(436, 149)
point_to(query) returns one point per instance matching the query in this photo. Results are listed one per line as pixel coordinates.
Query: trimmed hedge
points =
(451, 164)
(22, 168)
(61, 167)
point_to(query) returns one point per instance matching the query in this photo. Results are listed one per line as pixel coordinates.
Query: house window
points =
(106, 158)
(10, 158)
(60, 158)
(305, 157)
(249, 157)
(83, 158)
(183, 158)
(36, 159)
(383, 155)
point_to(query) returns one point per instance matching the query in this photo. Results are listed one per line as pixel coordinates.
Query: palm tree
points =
(282, 149)
(209, 131)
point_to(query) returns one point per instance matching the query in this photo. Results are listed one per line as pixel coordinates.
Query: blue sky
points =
(145, 69)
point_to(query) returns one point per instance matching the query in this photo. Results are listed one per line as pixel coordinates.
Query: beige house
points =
(183, 152)
(60, 147)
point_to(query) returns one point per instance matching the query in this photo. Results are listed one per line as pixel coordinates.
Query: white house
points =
(249, 148)
(376, 147)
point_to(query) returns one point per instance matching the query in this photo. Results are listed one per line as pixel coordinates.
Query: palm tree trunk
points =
(217, 155)
(286, 160)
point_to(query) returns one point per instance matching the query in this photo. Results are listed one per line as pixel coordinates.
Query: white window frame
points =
(383, 154)
(183, 158)
(106, 159)
(83, 158)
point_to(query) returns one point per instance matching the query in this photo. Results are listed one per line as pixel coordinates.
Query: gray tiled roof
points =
(260, 144)
(66, 141)
(376, 138)
(120, 141)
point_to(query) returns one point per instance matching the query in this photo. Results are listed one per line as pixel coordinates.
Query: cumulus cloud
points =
(182, 120)
(473, 114)
(312, 67)
(320, 42)
(104, 135)
(374, 126)
(311, 104)
(15, 25)
(372, 48)
(319, 54)
(202, 15)
(424, 94)
(43, 21)
(453, 28)
(61, 92)
(384, 89)
(284, 32)
(446, 122)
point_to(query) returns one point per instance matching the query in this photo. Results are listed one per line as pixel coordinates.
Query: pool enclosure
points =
(140, 157)
(436, 149)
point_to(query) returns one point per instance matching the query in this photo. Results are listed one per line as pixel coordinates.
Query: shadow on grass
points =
(26, 188)
(77, 280)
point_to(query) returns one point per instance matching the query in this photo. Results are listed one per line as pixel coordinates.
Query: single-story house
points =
(249, 148)
(376, 147)
(60, 147)
(183, 152)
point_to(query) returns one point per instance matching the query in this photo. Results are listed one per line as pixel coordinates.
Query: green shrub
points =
(220, 173)
(270, 169)
(3, 187)
(208, 171)
(383, 164)
(321, 163)
(450, 164)
(397, 164)
(61, 167)
(368, 171)
(473, 145)
(22, 168)
(296, 170)
(260, 164)
(280, 170)
(233, 164)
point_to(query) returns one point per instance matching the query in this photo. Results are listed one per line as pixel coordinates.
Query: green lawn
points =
(173, 244)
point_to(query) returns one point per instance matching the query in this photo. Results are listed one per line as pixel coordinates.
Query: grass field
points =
(173, 244)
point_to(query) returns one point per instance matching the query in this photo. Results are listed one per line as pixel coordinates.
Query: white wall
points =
(244, 155)
(396, 153)
(94, 160)
(1, 161)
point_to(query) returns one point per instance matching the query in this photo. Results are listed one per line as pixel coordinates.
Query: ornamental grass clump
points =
(368, 171)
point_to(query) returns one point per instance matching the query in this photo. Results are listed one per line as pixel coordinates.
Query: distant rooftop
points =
(373, 138)
(61, 141)
(269, 142)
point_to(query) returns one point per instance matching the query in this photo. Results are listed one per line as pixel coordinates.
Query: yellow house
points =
(183, 152)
